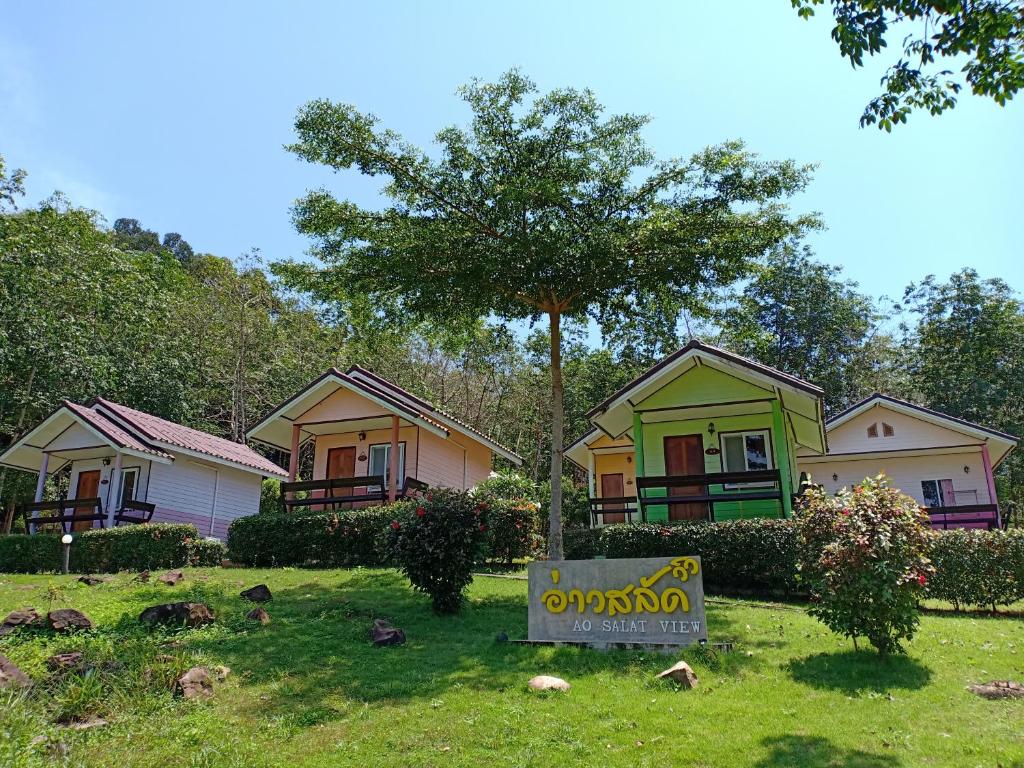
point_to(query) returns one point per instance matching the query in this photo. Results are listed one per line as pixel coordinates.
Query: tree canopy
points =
(541, 208)
(986, 35)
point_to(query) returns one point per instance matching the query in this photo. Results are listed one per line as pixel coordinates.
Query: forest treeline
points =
(88, 309)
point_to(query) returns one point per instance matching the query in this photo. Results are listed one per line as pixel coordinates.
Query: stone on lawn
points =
(63, 661)
(189, 614)
(171, 577)
(90, 581)
(682, 673)
(998, 689)
(64, 619)
(84, 725)
(259, 614)
(196, 683)
(385, 634)
(15, 619)
(548, 683)
(221, 673)
(11, 676)
(143, 576)
(258, 594)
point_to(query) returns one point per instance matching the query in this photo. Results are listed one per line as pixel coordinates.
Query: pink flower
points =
(395, 525)
(420, 511)
(483, 527)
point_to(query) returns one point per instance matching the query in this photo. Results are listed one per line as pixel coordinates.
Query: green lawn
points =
(309, 690)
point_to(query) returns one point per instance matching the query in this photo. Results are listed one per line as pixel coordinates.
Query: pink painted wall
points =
(374, 436)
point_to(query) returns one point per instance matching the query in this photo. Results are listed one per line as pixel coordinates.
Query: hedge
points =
(973, 567)
(128, 548)
(323, 539)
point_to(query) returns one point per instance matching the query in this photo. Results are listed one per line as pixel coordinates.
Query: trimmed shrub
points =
(510, 529)
(321, 539)
(127, 548)
(976, 567)
(864, 554)
(582, 543)
(506, 485)
(436, 541)
(270, 496)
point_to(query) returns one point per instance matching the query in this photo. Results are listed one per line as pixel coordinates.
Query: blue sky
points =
(176, 113)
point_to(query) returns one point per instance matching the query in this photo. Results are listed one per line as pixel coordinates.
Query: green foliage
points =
(798, 316)
(436, 541)
(986, 35)
(575, 504)
(506, 485)
(318, 539)
(270, 496)
(543, 208)
(126, 548)
(976, 567)
(864, 555)
(511, 529)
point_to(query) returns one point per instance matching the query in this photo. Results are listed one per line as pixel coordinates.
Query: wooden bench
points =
(134, 512)
(336, 492)
(65, 513)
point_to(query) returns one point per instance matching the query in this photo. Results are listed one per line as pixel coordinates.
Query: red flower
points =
(481, 507)
(395, 525)
(420, 511)
(922, 579)
(846, 512)
(483, 527)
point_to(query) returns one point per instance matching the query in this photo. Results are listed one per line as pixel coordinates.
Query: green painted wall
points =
(702, 385)
(655, 433)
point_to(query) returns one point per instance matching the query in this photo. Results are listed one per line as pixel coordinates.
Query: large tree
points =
(987, 36)
(542, 209)
(800, 316)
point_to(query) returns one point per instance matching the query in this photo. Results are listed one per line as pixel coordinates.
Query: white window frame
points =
(943, 501)
(137, 471)
(386, 447)
(743, 434)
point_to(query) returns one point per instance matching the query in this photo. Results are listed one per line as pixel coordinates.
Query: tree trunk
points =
(557, 439)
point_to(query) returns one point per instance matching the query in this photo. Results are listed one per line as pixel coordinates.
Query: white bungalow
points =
(133, 466)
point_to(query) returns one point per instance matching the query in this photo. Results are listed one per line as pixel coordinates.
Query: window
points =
(380, 462)
(873, 430)
(937, 493)
(129, 485)
(746, 452)
(887, 430)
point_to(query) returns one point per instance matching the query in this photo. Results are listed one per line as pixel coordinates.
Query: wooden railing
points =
(670, 485)
(64, 513)
(134, 512)
(341, 492)
(625, 506)
(966, 515)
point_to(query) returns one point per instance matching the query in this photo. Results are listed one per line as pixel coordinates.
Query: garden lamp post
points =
(66, 540)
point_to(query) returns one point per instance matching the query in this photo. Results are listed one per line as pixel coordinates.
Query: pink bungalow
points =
(943, 462)
(127, 466)
(372, 440)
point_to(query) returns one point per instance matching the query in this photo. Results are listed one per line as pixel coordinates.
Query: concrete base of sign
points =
(656, 647)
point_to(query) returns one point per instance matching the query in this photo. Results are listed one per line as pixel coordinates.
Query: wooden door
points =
(88, 488)
(341, 462)
(612, 486)
(684, 455)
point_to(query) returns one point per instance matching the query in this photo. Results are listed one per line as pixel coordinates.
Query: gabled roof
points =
(273, 428)
(126, 430)
(1003, 441)
(165, 433)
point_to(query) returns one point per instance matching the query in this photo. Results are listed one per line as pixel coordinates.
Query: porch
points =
(985, 516)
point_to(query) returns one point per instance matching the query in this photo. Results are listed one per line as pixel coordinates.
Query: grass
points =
(309, 689)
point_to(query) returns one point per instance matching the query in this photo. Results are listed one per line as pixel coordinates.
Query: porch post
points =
(393, 463)
(782, 458)
(42, 477)
(638, 443)
(986, 463)
(591, 476)
(293, 457)
(113, 489)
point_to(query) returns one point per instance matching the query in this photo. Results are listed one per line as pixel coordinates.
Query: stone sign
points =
(656, 600)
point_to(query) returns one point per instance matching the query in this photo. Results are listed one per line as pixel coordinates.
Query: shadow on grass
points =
(818, 752)
(855, 671)
(316, 653)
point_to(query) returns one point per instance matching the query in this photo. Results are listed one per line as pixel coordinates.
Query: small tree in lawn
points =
(864, 554)
(541, 209)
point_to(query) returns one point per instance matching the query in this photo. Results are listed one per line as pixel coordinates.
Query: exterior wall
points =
(340, 405)
(702, 385)
(374, 436)
(654, 459)
(107, 493)
(75, 436)
(458, 462)
(183, 492)
(906, 473)
(910, 433)
(614, 464)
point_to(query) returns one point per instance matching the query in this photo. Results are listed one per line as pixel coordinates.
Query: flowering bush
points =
(864, 555)
(512, 516)
(436, 540)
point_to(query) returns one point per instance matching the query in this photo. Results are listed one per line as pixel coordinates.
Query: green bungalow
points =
(703, 435)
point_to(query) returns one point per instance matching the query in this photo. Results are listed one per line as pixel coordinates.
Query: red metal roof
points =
(163, 431)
